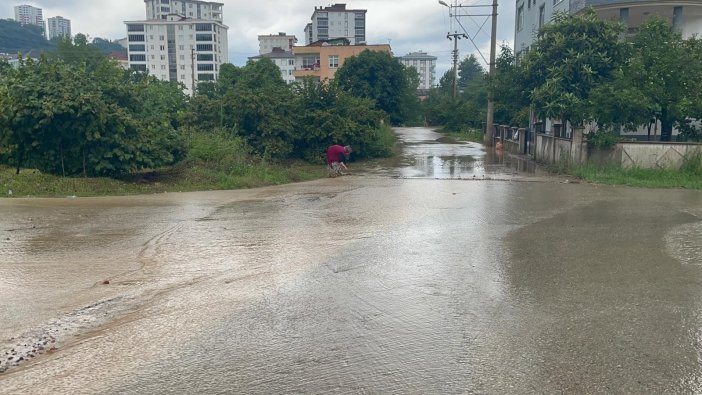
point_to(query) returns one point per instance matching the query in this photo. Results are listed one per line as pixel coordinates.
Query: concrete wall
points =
(546, 152)
(625, 154)
(646, 154)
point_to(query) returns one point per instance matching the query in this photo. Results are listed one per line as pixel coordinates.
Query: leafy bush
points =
(602, 138)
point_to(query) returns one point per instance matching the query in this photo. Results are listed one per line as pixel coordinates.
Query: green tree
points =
(78, 52)
(380, 77)
(509, 90)
(571, 57)
(67, 120)
(665, 72)
(329, 116)
(470, 72)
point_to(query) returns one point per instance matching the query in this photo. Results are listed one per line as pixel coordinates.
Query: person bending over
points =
(336, 156)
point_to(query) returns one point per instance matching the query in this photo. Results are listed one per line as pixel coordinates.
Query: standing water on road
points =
(409, 280)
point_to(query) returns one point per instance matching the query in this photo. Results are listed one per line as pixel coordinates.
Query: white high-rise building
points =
(59, 27)
(336, 22)
(181, 40)
(280, 40)
(29, 15)
(425, 65)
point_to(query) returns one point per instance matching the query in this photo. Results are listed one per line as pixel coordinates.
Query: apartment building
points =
(425, 65)
(280, 40)
(686, 16)
(321, 60)
(183, 41)
(59, 27)
(285, 60)
(336, 22)
(532, 14)
(29, 15)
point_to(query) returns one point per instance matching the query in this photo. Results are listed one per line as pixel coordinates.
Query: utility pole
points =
(455, 37)
(489, 131)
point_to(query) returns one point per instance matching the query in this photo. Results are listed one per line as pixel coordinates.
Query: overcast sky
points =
(408, 25)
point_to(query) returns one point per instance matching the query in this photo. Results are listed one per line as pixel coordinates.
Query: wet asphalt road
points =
(417, 279)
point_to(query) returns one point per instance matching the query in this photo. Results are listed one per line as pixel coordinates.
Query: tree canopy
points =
(570, 58)
(378, 76)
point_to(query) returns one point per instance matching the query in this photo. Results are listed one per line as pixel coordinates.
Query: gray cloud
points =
(408, 25)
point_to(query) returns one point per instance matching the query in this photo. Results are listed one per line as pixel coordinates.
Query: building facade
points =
(285, 60)
(321, 61)
(281, 40)
(425, 66)
(29, 15)
(685, 15)
(336, 22)
(59, 27)
(178, 47)
(192, 9)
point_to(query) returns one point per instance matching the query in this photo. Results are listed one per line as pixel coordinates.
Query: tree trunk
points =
(666, 127)
(63, 167)
(19, 160)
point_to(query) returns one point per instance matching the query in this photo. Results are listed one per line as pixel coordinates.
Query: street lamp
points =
(443, 3)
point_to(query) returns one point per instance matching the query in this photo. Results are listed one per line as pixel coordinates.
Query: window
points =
(205, 77)
(135, 28)
(138, 67)
(182, 67)
(137, 58)
(203, 37)
(163, 57)
(161, 38)
(203, 27)
(201, 57)
(163, 47)
(181, 47)
(542, 15)
(136, 37)
(182, 57)
(520, 17)
(333, 61)
(137, 47)
(205, 67)
(204, 47)
(163, 67)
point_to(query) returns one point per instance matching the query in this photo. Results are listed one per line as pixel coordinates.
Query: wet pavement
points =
(415, 279)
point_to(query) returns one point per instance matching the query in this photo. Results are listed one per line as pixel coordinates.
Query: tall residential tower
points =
(29, 15)
(336, 22)
(59, 27)
(181, 40)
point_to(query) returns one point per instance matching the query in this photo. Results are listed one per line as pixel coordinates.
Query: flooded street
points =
(452, 273)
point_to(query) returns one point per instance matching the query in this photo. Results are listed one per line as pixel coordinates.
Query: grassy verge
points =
(216, 161)
(185, 177)
(688, 177)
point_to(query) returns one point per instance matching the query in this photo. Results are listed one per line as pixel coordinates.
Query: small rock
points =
(106, 282)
